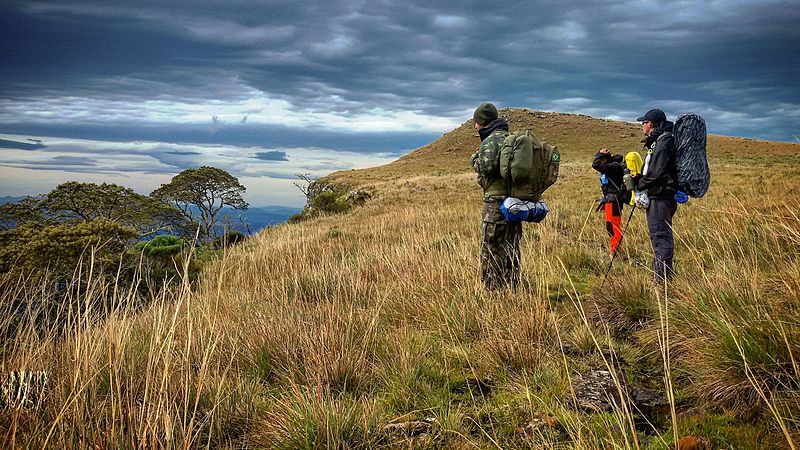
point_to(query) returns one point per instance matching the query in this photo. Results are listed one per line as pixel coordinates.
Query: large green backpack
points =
(529, 165)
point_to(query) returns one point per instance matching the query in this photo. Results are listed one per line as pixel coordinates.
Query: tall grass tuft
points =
(317, 419)
(626, 303)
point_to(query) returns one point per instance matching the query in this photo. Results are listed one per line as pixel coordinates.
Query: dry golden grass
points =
(316, 335)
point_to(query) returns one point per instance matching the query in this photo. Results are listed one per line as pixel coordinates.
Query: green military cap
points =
(484, 114)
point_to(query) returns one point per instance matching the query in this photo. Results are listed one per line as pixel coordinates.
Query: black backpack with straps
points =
(694, 175)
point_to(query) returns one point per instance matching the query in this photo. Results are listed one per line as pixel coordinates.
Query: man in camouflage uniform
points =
(500, 254)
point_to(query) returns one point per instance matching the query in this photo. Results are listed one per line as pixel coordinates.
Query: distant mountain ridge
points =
(10, 199)
(256, 217)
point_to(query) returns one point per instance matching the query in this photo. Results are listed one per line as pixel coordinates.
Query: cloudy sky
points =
(134, 92)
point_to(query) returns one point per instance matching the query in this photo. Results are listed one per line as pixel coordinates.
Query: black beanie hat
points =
(484, 114)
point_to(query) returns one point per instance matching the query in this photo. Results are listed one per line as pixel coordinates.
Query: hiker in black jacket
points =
(612, 169)
(659, 178)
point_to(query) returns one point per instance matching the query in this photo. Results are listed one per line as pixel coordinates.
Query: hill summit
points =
(577, 136)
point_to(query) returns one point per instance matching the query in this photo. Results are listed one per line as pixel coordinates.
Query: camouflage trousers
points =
(500, 257)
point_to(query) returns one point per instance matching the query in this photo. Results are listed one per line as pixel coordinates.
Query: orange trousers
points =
(613, 224)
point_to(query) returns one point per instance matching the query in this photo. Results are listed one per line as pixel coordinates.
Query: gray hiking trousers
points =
(659, 224)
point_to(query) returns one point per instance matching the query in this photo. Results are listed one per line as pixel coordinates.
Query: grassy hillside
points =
(371, 329)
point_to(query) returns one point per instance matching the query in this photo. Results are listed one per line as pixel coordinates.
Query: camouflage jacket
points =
(486, 160)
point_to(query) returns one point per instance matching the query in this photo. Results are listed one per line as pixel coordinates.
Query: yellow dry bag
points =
(633, 161)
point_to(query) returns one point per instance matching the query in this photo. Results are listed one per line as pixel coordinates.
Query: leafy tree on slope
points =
(200, 194)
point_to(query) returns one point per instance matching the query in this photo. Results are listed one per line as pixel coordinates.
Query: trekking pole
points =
(616, 250)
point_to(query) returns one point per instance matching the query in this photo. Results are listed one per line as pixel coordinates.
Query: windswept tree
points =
(200, 194)
(74, 201)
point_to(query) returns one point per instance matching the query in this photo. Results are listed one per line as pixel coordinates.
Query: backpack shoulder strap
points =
(513, 137)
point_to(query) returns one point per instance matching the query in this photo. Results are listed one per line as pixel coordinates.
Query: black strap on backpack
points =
(508, 178)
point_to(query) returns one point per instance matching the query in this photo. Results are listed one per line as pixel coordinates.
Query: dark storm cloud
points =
(61, 163)
(271, 156)
(242, 135)
(182, 153)
(174, 159)
(734, 62)
(65, 161)
(5, 143)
